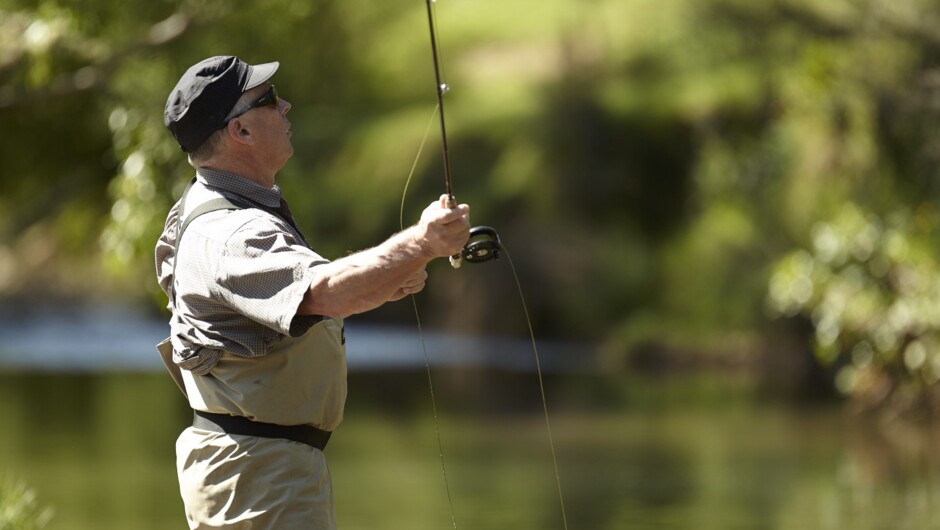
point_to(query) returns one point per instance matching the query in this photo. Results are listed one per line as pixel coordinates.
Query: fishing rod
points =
(484, 243)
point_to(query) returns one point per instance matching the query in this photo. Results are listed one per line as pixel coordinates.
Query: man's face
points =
(269, 126)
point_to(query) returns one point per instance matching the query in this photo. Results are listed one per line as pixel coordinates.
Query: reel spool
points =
(483, 245)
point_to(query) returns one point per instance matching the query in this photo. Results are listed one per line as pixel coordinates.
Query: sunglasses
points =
(268, 98)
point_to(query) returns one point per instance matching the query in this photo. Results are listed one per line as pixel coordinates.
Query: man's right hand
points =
(443, 231)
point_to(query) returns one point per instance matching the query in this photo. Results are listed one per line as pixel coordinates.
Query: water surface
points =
(633, 453)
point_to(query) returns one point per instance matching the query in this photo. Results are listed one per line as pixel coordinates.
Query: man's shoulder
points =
(225, 224)
(222, 220)
(218, 208)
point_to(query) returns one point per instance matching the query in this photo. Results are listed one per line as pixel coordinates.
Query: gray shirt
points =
(241, 274)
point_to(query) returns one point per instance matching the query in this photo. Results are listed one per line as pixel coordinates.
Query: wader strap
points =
(222, 203)
(213, 205)
(305, 434)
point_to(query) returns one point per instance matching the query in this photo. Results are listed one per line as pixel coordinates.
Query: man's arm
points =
(367, 279)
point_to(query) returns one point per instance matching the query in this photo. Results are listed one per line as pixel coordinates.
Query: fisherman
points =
(257, 340)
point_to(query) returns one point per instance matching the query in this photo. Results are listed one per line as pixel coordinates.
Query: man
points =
(257, 341)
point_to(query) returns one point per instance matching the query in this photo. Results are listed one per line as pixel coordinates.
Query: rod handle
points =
(456, 260)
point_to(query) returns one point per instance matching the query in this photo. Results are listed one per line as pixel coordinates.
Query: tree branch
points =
(96, 75)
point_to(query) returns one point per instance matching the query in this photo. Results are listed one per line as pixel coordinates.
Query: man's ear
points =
(238, 132)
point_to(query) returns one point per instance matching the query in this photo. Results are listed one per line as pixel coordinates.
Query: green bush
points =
(871, 286)
(19, 508)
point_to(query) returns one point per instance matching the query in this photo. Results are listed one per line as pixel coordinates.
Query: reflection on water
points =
(633, 454)
(111, 337)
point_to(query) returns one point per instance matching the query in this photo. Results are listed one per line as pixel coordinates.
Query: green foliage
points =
(872, 289)
(19, 508)
(649, 161)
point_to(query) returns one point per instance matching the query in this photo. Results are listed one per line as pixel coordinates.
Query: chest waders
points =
(297, 390)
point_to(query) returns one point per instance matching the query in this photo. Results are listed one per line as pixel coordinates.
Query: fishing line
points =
(427, 364)
(437, 424)
(484, 245)
(424, 348)
(414, 164)
(538, 370)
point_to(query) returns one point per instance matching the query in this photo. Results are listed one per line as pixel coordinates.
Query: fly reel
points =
(483, 245)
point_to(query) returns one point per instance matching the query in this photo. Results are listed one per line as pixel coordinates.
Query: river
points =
(93, 436)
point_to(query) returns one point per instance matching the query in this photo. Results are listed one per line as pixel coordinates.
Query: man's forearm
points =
(365, 280)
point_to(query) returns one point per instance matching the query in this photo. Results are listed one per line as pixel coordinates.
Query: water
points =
(667, 454)
(112, 337)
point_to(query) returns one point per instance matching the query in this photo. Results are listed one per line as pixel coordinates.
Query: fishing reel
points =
(483, 245)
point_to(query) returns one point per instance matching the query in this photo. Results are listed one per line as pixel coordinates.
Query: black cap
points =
(206, 93)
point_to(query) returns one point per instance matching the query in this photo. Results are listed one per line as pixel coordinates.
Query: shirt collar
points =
(224, 181)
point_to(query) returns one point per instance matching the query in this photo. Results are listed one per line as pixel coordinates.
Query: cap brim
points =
(260, 73)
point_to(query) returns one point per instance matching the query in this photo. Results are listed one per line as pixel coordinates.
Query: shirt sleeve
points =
(264, 272)
(164, 254)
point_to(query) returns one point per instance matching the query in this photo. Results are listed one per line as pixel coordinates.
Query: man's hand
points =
(411, 286)
(443, 231)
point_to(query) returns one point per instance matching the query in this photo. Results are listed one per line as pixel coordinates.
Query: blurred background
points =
(722, 214)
